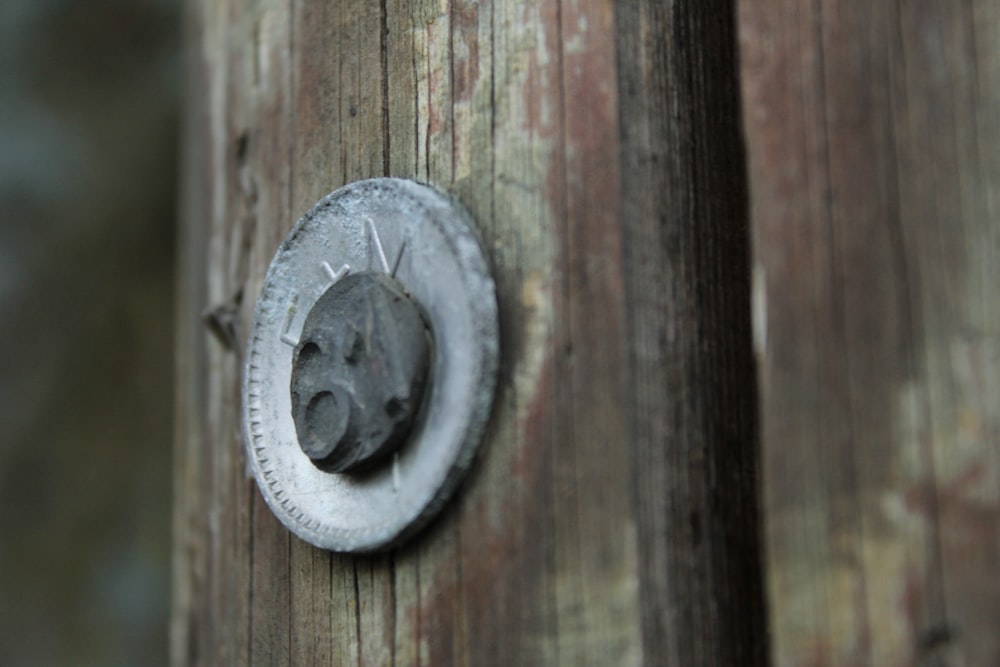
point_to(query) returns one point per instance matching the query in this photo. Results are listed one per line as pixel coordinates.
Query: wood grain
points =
(611, 518)
(871, 131)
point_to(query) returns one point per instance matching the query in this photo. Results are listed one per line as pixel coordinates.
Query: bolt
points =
(358, 373)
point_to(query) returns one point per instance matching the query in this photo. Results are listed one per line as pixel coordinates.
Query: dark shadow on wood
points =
(693, 382)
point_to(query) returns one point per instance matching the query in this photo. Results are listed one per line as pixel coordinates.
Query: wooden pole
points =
(611, 518)
(872, 132)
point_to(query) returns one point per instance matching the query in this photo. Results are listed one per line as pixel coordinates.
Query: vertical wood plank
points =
(874, 204)
(692, 393)
(552, 122)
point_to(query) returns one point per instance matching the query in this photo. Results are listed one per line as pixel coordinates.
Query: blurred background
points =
(88, 143)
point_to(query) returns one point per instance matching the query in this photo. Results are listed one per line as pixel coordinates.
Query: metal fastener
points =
(367, 388)
(358, 373)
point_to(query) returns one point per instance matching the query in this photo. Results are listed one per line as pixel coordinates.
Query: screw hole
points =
(325, 422)
(394, 408)
(308, 352)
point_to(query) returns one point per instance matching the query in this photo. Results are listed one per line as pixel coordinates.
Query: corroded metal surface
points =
(358, 373)
(437, 260)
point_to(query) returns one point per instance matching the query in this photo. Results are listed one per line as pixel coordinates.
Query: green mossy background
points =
(88, 136)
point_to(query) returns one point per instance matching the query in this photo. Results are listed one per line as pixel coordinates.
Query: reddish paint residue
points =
(465, 51)
(499, 569)
(534, 430)
(959, 593)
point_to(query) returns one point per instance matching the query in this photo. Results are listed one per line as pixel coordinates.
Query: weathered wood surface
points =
(873, 131)
(611, 519)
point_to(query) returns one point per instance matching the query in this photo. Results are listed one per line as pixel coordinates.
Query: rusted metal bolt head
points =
(358, 373)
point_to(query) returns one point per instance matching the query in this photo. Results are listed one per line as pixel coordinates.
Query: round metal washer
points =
(382, 224)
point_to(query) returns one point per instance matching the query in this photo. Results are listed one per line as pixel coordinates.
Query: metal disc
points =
(427, 239)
